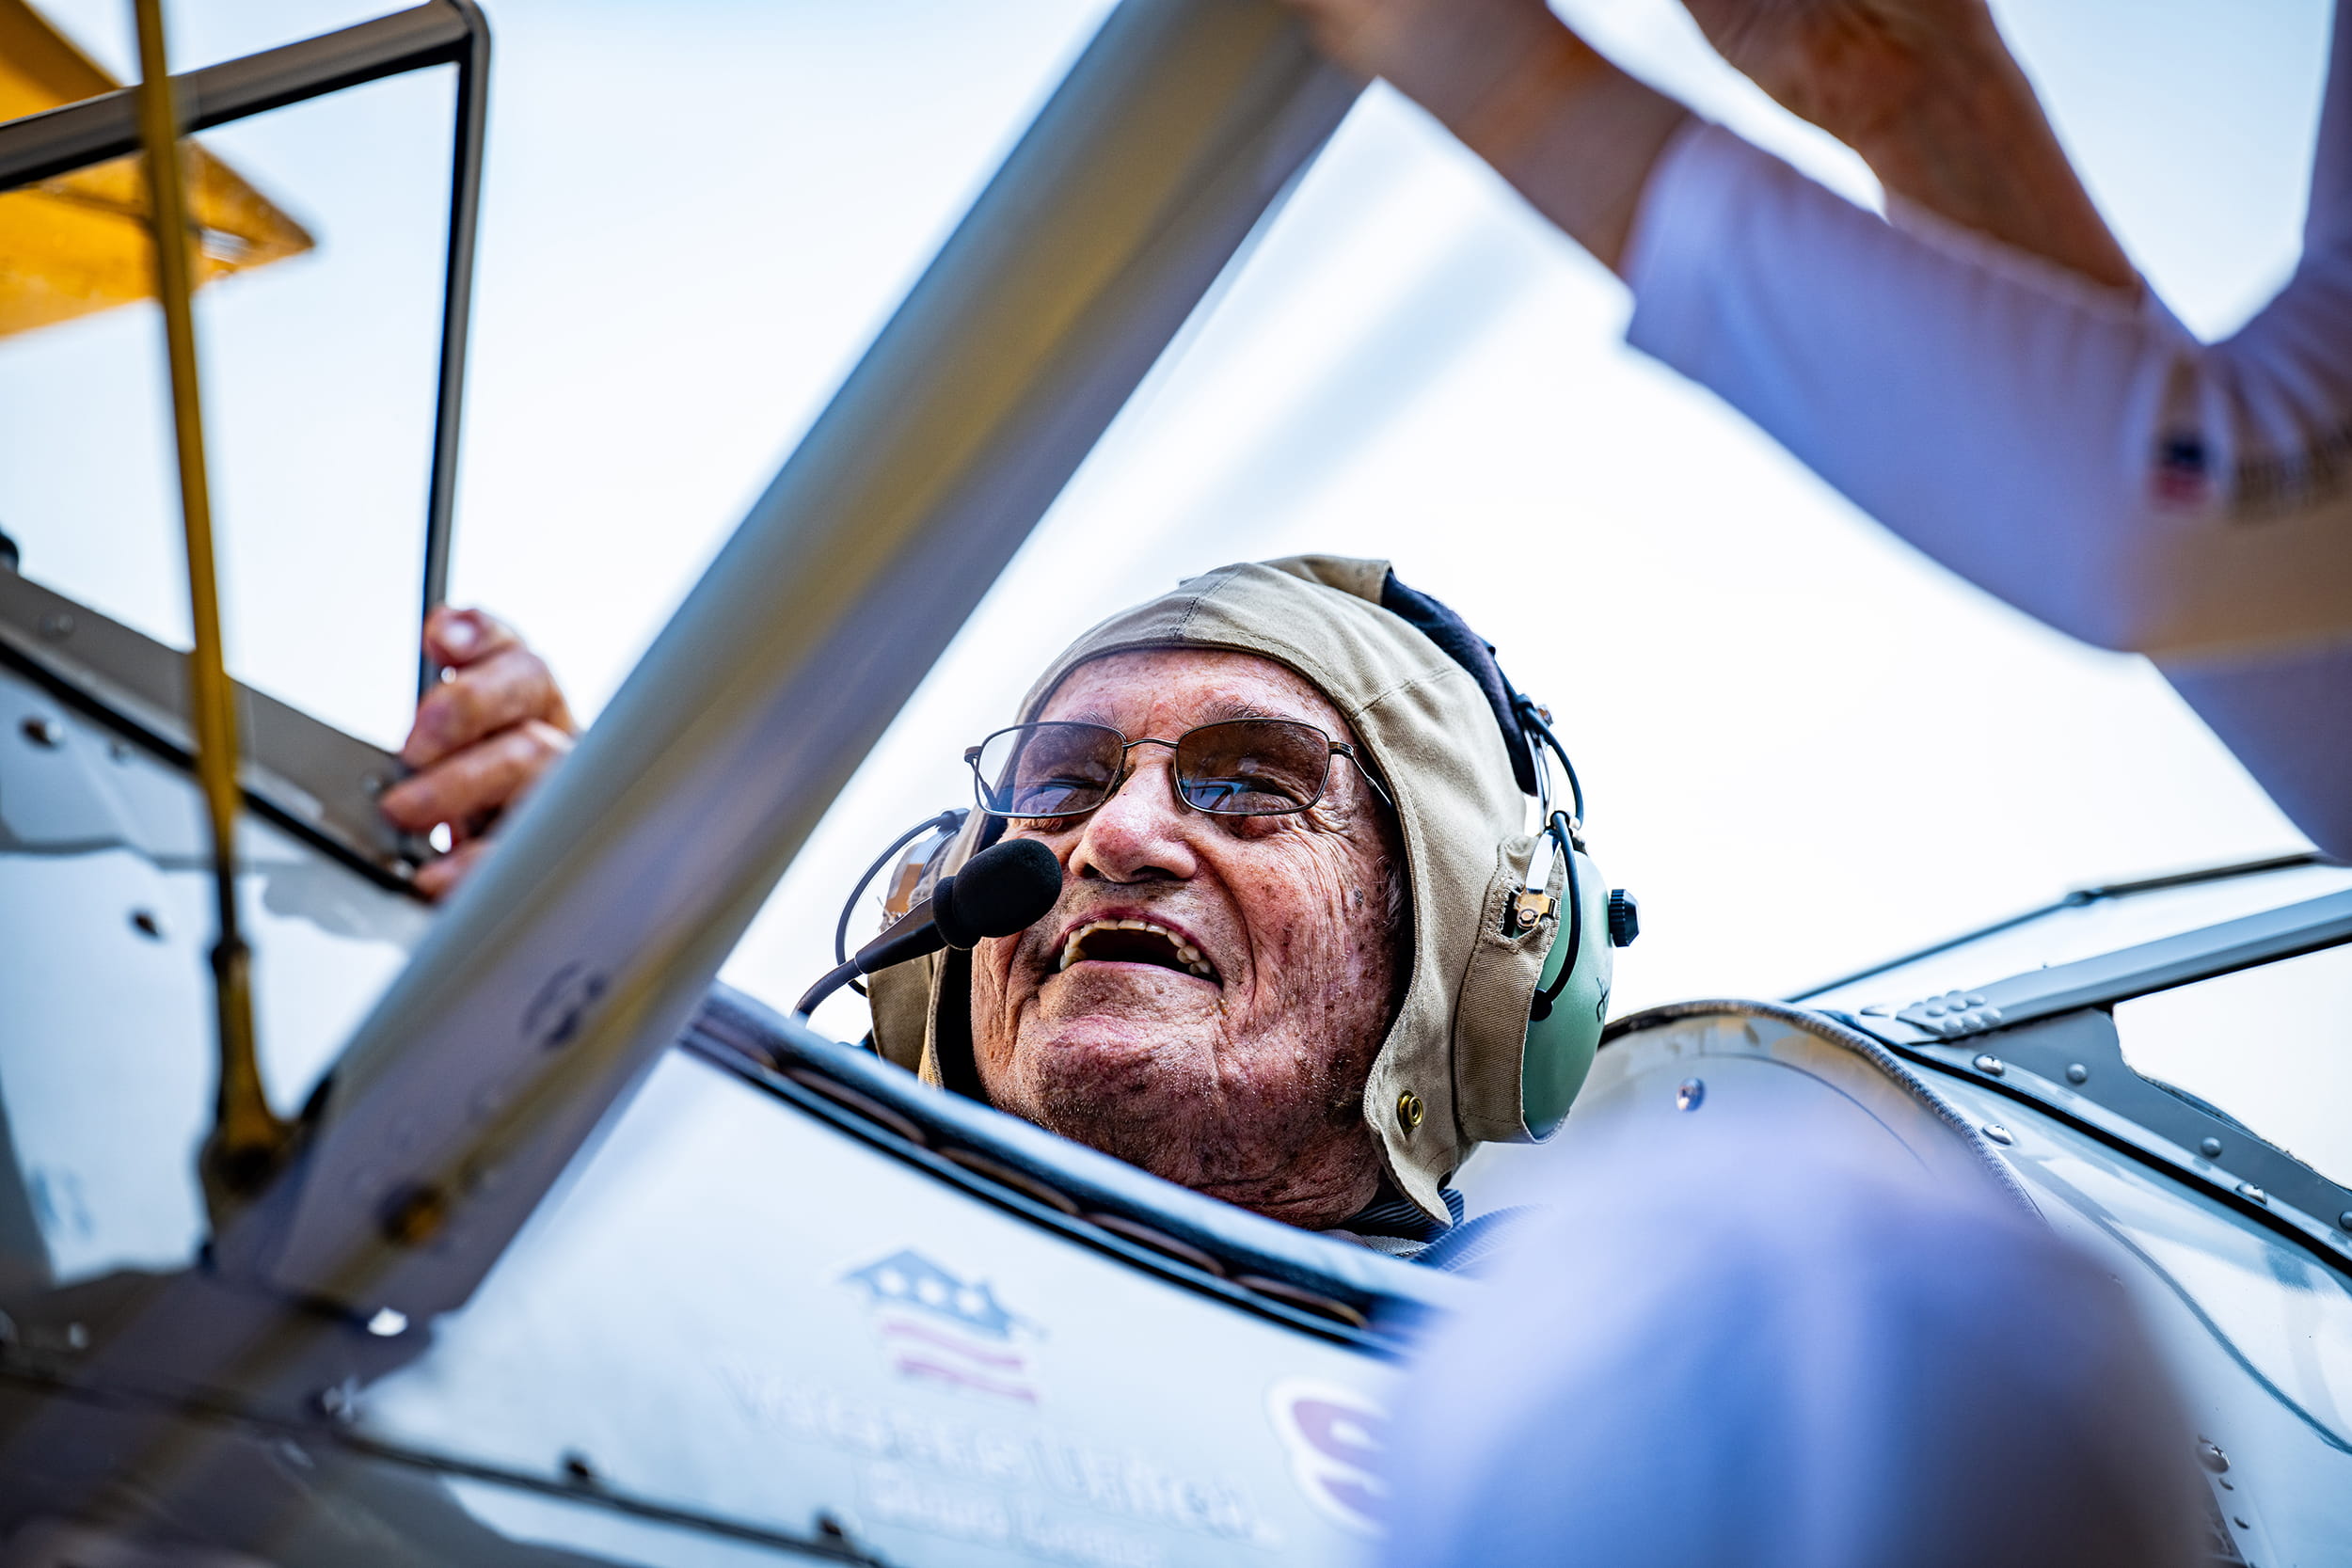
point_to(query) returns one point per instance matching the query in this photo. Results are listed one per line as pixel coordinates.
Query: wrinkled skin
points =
(1248, 1087)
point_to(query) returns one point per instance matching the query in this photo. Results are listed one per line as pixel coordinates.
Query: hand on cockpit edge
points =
(490, 730)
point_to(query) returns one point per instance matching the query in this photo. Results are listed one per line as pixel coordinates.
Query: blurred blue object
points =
(1754, 1350)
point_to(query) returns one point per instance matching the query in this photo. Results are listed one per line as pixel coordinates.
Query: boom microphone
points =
(1001, 890)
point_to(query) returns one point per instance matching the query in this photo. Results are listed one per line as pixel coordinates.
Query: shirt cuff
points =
(1680, 231)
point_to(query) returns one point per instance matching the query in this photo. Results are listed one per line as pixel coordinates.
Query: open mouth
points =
(1134, 941)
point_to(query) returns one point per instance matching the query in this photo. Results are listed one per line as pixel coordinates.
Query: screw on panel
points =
(577, 1469)
(2212, 1458)
(1690, 1094)
(415, 1215)
(2344, 1221)
(43, 731)
(147, 924)
(1999, 1134)
(1990, 1065)
(2253, 1194)
(2210, 1148)
(2077, 1073)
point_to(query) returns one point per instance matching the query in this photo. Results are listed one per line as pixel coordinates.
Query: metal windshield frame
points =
(440, 32)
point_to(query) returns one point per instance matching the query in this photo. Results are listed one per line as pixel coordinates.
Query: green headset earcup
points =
(1560, 1046)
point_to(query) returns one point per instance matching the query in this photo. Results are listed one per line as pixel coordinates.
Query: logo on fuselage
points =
(939, 1327)
(1334, 1437)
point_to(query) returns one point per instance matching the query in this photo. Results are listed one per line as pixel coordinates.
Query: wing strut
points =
(249, 1141)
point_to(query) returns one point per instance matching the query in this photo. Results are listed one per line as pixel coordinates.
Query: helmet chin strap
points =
(1563, 831)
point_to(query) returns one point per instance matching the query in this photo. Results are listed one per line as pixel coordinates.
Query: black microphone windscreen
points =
(1003, 888)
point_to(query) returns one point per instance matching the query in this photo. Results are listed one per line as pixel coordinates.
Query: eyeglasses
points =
(1237, 768)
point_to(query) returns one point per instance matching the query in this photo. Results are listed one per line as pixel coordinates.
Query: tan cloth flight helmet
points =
(1447, 1077)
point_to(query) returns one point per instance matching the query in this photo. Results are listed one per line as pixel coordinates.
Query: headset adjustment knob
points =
(1625, 917)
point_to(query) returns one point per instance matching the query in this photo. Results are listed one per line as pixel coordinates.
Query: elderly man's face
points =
(1246, 1084)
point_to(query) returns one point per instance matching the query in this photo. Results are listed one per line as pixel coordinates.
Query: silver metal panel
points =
(307, 773)
(733, 1308)
(2258, 1331)
(105, 1047)
(2073, 1065)
(1764, 1065)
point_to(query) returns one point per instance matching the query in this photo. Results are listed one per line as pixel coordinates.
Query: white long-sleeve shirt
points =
(2074, 451)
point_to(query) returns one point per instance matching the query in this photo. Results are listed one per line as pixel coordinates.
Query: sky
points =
(1805, 746)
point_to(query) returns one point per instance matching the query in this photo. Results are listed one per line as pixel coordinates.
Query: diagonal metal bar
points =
(580, 950)
(2107, 978)
(465, 210)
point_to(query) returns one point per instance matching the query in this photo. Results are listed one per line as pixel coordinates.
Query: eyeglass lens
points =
(1239, 767)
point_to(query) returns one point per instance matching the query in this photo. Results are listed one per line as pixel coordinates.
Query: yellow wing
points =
(78, 244)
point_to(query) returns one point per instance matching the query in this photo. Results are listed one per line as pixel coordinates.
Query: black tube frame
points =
(2079, 898)
(440, 32)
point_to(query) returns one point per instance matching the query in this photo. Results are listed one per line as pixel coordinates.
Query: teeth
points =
(1189, 956)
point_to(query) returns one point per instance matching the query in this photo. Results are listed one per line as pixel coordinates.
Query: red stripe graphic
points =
(963, 1379)
(948, 1342)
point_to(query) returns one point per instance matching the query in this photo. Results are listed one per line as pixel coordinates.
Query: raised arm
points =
(1575, 135)
(1985, 377)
